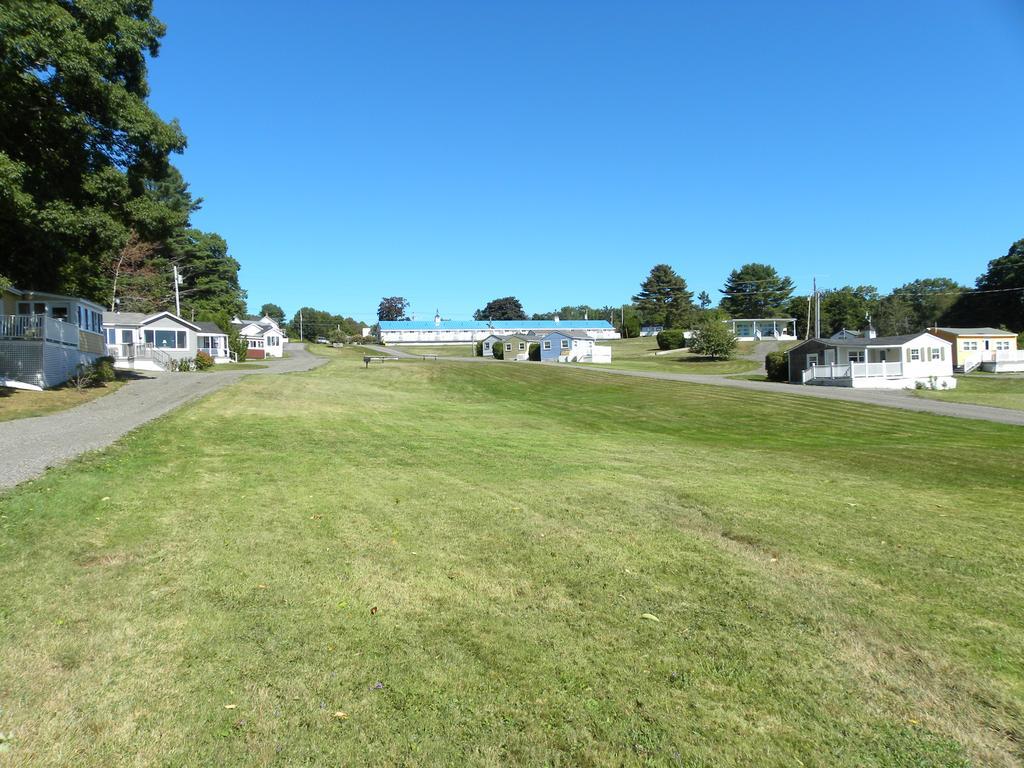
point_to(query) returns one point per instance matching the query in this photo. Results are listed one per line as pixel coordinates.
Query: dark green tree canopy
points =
(664, 298)
(755, 290)
(392, 308)
(928, 299)
(580, 312)
(272, 311)
(1004, 304)
(319, 322)
(848, 307)
(79, 146)
(506, 308)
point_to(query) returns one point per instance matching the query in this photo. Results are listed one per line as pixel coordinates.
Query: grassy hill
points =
(443, 563)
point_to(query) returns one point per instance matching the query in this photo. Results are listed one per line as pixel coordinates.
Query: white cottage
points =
(142, 342)
(573, 347)
(264, 336)
(882, 362)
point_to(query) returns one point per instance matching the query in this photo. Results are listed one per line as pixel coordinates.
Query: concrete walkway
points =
(28, 447)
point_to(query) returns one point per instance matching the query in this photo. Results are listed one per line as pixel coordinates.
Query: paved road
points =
(30, 446)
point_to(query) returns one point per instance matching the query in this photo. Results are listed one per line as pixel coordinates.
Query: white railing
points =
(1009, 355)
(853, 371)
(216, 352)
(876, 370)
(39, 328)
(139, 352)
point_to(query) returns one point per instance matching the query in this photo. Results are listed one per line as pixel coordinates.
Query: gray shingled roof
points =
(124, 318)
(976, 331)
(207, 326)
(878, 341)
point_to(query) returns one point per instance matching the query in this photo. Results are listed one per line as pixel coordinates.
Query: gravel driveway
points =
(28, 447)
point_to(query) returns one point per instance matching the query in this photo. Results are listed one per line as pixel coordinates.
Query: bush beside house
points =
(671, 338)
(777, 366)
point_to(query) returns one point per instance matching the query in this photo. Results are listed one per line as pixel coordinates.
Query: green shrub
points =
(103, 370)
(534, 352)
(479, 349)
(1020, 340)
(713, 339)
(203, 361)
(498, 350)
(776, 364)
(671, 338)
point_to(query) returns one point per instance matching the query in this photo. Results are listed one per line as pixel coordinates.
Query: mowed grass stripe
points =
(511, 524)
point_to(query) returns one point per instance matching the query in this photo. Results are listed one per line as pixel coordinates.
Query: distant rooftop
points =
(976, 331)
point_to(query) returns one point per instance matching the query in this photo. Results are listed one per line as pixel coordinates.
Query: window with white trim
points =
(855, 356)
(970, 346)
(915, 355)
(1003, 345)
(508, 347)
(565, 343)
(522, 346)
(936, 353)
(547, 345)
(812, 359)
(166, 339)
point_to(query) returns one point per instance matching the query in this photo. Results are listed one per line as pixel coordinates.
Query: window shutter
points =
(908, 354)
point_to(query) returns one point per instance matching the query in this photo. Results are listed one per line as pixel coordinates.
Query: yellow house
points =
(974, 347)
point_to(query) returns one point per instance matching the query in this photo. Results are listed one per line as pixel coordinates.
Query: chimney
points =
(869, 332)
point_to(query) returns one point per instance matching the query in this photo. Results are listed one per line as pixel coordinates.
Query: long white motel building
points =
(441, 331)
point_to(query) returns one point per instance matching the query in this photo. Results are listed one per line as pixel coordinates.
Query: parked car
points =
(321, 340)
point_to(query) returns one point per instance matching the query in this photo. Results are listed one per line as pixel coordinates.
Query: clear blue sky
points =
(453, 152)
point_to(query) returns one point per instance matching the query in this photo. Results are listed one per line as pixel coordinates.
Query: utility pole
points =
(301, 336)
(177, 282)
(817, 310)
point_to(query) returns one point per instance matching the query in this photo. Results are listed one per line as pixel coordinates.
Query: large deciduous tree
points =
(1002, 303)
(78, 143)
(505, 308)
(392, 308)
(755, 290)
(928, 300)
(664, 299)
(317, 322)
(848, 307)
(273, 311)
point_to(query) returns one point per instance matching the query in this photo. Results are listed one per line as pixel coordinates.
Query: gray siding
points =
(798, 358)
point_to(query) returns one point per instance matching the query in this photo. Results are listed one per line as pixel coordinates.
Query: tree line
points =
(757, 290)
(90, 204)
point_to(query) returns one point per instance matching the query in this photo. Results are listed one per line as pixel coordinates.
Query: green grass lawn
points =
(446, 350)
(638, 355)
(457, 564)
(22, 404)
(1003, 391)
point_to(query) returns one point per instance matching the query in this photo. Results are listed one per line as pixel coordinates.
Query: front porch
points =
(770, 328)
(44, 351)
